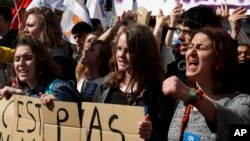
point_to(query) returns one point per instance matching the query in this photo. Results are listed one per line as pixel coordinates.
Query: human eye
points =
(119, 48)
(191, 46)
(28, 57)
(17, 58)
(203, 47)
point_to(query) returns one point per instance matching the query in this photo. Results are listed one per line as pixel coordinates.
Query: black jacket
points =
(160, 108)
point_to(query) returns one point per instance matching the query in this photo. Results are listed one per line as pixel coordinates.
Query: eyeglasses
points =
(183, 31)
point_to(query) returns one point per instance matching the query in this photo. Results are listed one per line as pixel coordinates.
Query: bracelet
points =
(172, 28)
(191, 97)
(198, 99)
(194, 98)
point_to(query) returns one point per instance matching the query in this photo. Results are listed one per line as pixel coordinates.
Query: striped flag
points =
(16, 12)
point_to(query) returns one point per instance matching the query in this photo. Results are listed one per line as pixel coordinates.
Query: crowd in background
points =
(193, 85)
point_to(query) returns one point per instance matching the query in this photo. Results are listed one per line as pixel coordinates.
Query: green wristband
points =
(191, 96)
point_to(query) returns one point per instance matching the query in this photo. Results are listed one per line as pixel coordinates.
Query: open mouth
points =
(192, 64)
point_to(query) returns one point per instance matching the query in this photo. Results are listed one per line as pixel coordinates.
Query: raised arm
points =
(173, 23)
(235, 20)
(161, 20)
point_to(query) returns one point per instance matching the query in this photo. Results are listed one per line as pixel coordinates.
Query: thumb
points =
(147, 117)
(41, 94)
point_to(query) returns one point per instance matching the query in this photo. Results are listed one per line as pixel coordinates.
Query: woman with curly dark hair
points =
(38, 75)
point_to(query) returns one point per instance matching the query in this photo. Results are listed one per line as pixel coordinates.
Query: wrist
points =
(194, 98)
(172, 28)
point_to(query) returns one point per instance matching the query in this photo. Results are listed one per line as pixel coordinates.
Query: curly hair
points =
(51, 34)
(46, 69)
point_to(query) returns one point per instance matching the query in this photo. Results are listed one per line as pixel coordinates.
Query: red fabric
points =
(20, 3)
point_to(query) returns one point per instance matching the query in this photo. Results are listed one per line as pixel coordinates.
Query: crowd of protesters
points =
(197, 85)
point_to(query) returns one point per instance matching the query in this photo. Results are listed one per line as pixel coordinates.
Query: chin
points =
(191, 74)
(22, 79)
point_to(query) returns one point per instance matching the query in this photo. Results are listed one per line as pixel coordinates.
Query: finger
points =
(41, 94)
(147, 118)
(11, 90)
(226, 9)
(160, 12)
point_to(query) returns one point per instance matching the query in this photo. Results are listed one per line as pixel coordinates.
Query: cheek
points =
(15, 67)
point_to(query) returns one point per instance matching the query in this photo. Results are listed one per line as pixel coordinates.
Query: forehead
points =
(32, 18)
(23, 49)
(201, 38)
(243, 47)
(122, 41)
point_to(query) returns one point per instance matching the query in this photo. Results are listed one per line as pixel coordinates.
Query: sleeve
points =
(65, 92)
(6, 54)
(236, 111)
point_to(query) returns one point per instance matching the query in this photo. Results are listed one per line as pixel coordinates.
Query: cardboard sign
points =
(109, 122)
(143, 16)
(28, 119)
(61, 121)
(24, 118)
(6, 119)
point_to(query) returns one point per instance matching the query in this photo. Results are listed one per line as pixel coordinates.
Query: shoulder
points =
(235, 100)
(57, 84)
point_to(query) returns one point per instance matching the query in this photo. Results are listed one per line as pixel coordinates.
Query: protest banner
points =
(110, 122)
(6, 119)
(28, 119)
(24, 118)
(168, 5)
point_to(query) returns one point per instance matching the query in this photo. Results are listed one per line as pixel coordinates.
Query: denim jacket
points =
(62, 90)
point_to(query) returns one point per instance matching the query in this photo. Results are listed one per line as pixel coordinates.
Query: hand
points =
(145, 128)
(175, 87)
(46, 99)
(7, 92)
(129, 15)
(161, 19)
(175, 13)
(235, 20)
(223, 11)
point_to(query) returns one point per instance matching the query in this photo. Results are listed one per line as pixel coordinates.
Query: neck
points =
(207, 88)
(32, 84)
(125, 86)
(93, 74)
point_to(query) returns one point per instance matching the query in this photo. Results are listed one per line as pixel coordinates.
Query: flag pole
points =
(17, 12)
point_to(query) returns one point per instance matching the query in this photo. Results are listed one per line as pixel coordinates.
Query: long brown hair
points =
(144, 56)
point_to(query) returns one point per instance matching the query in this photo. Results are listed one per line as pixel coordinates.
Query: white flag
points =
(56, 4)
(96, 10)
(75, 12)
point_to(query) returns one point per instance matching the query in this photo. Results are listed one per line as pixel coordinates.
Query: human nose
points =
(25, 29)
(123, 53)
